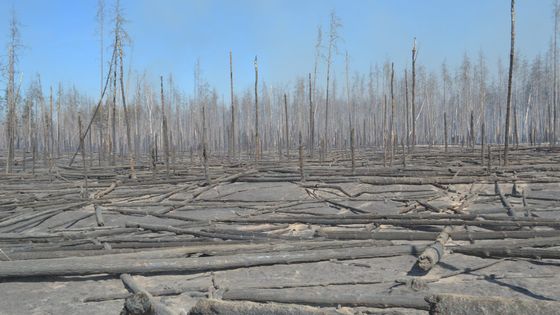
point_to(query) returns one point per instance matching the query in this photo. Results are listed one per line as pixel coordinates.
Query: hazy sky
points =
(61, 43)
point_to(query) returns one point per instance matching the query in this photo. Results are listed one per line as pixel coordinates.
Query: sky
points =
(61, 42)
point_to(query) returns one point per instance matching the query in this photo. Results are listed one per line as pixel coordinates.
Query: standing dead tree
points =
(83, 152)
(257, 141)
(311, 119)
(407, 108)
(120, 37)
(11, 95)
(332, 49)
(445, 130)
(392, 123)
(313, 92)
(101, 23)
(413, 96)
(205, 145)
(286, 127)
(555, 74)
(384, 130)
(232, 131)
(510, 76)
(164, 129)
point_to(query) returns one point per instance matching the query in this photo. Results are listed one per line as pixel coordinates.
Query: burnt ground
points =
(343, 241)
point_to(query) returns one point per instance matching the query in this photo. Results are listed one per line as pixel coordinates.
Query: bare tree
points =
(407, 108)
(332, 49)
(164, 129)
(233, 113)
(121, 36)
(313, 91)
(286, 127)
(413, 96)
(100, 24)
(257, 140)
(392, 123)
(555, 70)
(311, 119)
(11, 94)
(510, 76)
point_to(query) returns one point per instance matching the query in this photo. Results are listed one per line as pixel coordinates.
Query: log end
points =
(138, 304)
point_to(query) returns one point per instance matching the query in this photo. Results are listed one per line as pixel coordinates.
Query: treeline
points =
(385, 106)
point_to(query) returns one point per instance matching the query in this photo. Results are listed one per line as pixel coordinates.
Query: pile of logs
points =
(440, 205)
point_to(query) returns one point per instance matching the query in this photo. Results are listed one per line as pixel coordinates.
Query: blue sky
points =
(168, 36)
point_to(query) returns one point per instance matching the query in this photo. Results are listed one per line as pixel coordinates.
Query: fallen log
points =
(496, 223)
(147, 305)
(251, 236)
(432, 255)
(505, 202)
(426, 236)
(106, 265)
(106, 191)
(508, 252)
(192, 291)
(99, 216)
(218, 307)
(455, 304)
(327, 299)
(418, 180)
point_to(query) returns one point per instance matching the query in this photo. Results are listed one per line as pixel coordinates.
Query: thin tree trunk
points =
(482, 136)
(407, 110)
(414, 94)
(126, 116)
(510, 75)
(301, 171)
(257, 140)
(11, 95)
(164, 130)
(58, 110)
(445, 130)
(515, 129)
(286, 127)
(555, 76)
(392, 114)
(311, 120)
(472, 131)
(113, 144)
(205, 145)
(384, 130)
(83, 151)
(352, 151)
(233, 133)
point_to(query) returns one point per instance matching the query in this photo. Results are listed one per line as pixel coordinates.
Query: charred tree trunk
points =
(83, 151)
(392, 115)
(130, 149)
(286, 127)
(233, 133)
(445, 130)
(413, 94)
(257, 140)
(311, 120)
(164, 130)
(510, 76)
